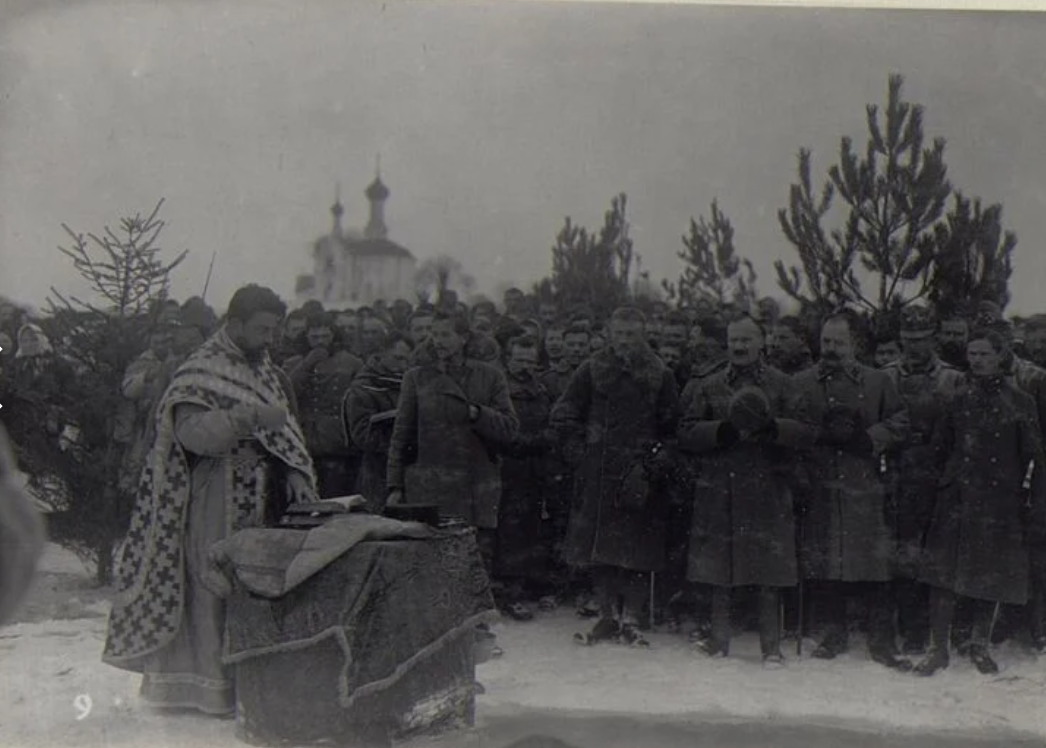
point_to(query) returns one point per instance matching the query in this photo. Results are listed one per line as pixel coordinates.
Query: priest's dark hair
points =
(254, 299)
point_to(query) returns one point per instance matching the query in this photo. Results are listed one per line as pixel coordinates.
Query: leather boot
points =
(934, 661)
(982, 660)
(834, 644)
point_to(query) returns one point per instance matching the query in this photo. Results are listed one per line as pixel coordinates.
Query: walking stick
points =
(801, 622)
(801, 602)
(650, 613)
(995, 619)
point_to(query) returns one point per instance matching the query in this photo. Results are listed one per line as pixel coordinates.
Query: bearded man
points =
(227, 455)
(617, 418)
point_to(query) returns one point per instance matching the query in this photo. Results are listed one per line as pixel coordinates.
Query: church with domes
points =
(354, 268)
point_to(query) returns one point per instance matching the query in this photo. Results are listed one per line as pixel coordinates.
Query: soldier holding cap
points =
(743, 423)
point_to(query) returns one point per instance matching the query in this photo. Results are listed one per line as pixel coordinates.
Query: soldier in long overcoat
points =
(369, 411)
(524, 560)
(744, 424)
(618, 415)
(925, 384)
(454, 414)
(991, 507)
(1030, 379)
(844, 535)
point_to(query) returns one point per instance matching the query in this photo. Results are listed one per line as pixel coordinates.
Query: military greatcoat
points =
(457, 466)
(925, 392)
(612, 413)
(978, 543)
(743, 526)
(844, 534)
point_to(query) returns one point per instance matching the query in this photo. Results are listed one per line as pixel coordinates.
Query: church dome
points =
(377, 190)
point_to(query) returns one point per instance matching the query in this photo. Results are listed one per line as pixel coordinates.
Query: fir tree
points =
(881, 257)
(712, 269)
(594, 269)
(97, 339)
(974, 257)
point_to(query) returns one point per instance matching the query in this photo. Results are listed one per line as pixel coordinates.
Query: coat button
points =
(993, 460)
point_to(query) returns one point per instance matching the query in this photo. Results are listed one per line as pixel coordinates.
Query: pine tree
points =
(894, 194)
(98, 339)
(712, 269)
(594, 269)
(974, 257)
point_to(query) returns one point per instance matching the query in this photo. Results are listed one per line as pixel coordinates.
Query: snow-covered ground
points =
(54, 691)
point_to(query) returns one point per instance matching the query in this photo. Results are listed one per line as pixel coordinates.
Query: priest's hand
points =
(271, 417)
(244, 418)
(298, 489)
(395, 497)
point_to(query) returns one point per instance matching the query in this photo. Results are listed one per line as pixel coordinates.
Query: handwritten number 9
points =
(83, 706)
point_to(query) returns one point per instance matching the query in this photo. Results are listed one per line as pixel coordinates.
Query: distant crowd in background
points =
(653, 466)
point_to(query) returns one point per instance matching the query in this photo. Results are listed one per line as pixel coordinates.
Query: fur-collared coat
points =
(456, 466)
(609, 416)
(844, 532)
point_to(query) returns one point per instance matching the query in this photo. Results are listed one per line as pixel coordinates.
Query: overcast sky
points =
(493, 123)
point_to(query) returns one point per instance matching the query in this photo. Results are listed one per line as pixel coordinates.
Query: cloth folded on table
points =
(273, 561)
